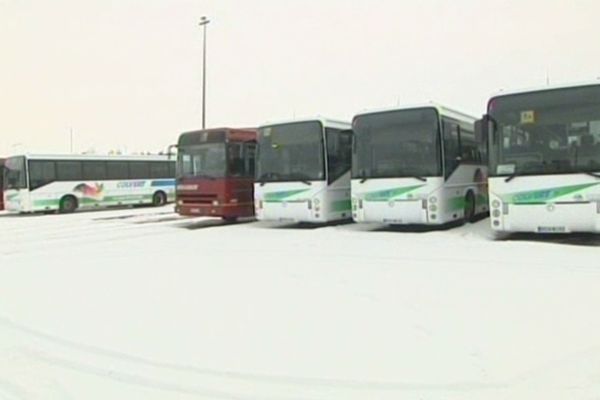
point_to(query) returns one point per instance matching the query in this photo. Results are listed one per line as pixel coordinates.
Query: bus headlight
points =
(433, 199)
(496, 213)
(433, 208)
(215, 202)
(180, 202)
(496, 204)
(316, 201)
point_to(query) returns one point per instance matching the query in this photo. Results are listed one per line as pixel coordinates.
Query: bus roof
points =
(441, 109)
(95, 157)
(547, 87)
(327, 122)
(222, 129)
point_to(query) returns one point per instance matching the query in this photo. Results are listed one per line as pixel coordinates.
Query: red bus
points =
(215, 173)
(2, 184)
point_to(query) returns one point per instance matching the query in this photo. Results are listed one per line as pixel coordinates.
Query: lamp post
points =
(203, 23)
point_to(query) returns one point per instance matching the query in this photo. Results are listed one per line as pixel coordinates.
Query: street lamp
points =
(203, 23)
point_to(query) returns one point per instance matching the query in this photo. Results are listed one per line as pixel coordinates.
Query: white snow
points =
(135, 304)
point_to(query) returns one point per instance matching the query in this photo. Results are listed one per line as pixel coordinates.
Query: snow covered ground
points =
(143, 304)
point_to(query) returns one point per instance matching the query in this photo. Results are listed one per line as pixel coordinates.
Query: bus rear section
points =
(303, 172)
(544, 150)
(215, 173)
(417, 165)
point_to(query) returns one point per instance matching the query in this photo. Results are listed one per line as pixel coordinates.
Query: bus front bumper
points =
(547, 218)
(290, 212)
(210, 210)
(410, 212)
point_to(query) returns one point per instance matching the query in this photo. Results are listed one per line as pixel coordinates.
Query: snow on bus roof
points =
(96, 157)
(442, 110)
(546, 87)
(330, 122)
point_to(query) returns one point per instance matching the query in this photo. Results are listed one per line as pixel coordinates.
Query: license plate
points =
(552, 229)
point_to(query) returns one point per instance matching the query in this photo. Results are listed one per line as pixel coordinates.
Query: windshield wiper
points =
(419, 178)
(511, 177)
(592, 174)
(266, 175)
(301, 177)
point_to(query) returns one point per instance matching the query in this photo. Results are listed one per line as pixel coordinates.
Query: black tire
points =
(68, 204)
(159, 199)
(469, 211)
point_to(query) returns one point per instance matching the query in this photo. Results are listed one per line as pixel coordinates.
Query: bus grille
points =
(197, 198)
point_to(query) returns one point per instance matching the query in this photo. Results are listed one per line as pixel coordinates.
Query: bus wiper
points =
(301, 177)
(363, 180)
(266, 175)
(592, 174)
(419, 178)
(511, 177)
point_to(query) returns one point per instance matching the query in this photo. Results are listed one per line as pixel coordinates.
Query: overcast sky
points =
(126, 74)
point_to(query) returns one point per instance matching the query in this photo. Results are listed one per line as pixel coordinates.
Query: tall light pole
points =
(203, 23)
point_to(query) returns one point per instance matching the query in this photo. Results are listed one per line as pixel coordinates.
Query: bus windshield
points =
(291, 152)
(206, 160)
(14, 173)
(548, 132)
(399, 143)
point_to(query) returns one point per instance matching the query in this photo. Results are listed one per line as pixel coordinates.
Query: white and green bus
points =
(303, 171)
(544, 153)
(42, 183)
(417, 165)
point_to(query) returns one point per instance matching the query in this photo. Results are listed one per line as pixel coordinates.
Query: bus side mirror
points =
(481, 129)
(169, 152)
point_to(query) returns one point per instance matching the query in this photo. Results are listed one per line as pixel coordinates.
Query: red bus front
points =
(215, 173)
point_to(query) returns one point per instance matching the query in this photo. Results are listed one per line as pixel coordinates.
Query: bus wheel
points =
(68, 204)
(469, 212)
(159, 199)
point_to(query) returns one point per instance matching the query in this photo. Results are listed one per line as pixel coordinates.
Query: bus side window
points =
(339, 153)
(117, 170)
(41, 173)
(139, 170)
(172, 169)
(235, 160)
(69, 171)
(159, 170)
(452, 151)
(94, 170)
(250, 159)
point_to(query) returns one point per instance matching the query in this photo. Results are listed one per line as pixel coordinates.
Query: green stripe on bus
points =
(546, 195)
(276, 197)
(389, 194)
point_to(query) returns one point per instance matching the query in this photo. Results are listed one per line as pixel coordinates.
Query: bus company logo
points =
(537, 196)
(130, 184)
(187, 187)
